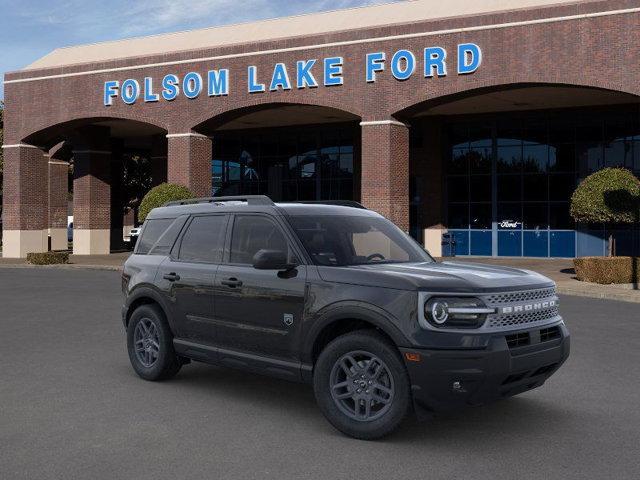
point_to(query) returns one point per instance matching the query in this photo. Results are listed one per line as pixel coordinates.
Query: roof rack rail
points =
(341, 203)
(250, 199)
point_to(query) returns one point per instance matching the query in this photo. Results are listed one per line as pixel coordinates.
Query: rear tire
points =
(150, 344)
(361, 385)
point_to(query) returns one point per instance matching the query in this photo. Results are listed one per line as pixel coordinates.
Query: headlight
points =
(455, 312)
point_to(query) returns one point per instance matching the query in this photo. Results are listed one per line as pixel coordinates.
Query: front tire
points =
(150, 344)
(361, 385)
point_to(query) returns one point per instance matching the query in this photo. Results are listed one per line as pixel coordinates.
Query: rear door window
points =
(203, 241)
(151, 232)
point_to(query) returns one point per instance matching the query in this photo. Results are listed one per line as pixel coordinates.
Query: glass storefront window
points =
(510, 187)
(296, 163)
(562, 157)
(535, 216)
(636, 156)
(538, 159)
(479, 136)
(481, 188)
(509, 215)
(559, 217)
(480, 159)
(561, 186)
(459, 163)
(458, 215)
(535, 188)
(618, 154)
(480, 216)
(589, 157)
(535, 158)
(510, 159)
(458, 189)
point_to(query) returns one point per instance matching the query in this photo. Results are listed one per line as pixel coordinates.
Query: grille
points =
(522, 296)
(518, 339)
(524, 318)
(550, 333)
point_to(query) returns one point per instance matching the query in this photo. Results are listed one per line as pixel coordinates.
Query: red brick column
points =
(158, 160)
(91, 202)
(189, 162)
(91, 190)
(25, 211)
(385, 170)
(58, 191)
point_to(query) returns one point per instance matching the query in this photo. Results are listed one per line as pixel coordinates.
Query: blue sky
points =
(30, 29)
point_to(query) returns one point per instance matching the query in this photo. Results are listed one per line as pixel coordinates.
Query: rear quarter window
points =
(151, 232)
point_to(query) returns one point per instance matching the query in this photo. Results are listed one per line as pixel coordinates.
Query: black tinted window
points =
(168, 238)
(338, 240)
(151, 233)
(252, 233)
(204, 239)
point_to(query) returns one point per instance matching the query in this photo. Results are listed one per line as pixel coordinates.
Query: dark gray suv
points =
(337, 296)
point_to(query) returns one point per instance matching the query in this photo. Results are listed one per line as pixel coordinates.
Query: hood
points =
(454, 277)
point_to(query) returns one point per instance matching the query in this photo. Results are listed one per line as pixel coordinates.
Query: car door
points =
(259, 311)
(187, 277)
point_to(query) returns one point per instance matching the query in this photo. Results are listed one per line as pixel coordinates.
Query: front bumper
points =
(446, 379)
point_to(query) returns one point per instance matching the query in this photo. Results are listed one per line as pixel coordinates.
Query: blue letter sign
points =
(403, 63)
(469, 58)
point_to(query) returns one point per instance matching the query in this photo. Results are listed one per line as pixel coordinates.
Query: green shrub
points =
(158, 196)
(48, 258)
(607, 270)
(611, 195)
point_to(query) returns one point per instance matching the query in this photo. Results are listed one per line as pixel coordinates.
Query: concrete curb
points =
(631, 296)
(68, 266)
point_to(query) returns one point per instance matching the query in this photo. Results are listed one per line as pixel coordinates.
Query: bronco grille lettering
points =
(528, 307)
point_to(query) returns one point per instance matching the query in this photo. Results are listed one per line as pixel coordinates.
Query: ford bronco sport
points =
(337, 296)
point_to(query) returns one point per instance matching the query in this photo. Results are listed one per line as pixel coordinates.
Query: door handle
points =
(172, 277)
(231, 282)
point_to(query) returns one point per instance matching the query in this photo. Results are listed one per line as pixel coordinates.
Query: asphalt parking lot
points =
(71, 407)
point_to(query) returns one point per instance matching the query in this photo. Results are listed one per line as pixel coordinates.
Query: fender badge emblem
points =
(288, 319)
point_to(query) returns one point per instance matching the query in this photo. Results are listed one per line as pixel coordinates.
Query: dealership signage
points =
(308, 73)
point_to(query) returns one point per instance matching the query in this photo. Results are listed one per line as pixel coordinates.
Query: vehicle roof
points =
(283, 208)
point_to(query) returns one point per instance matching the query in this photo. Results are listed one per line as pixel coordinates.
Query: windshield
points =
(341, 240)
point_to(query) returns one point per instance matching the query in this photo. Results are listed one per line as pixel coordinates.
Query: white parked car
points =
(133, 237)
(69, 228)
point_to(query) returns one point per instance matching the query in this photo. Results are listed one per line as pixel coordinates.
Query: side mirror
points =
(272, 260)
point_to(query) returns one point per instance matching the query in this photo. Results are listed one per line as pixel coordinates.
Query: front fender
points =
(353, 310)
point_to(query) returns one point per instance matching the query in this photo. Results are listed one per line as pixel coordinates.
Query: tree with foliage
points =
(136, 179)
(610, 196)
(163, 193)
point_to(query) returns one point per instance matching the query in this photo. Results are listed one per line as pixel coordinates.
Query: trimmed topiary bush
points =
(607, 270)
(158, 196)
(611, 195)
(48, 258)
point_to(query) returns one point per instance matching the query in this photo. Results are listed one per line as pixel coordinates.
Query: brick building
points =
(474, 117)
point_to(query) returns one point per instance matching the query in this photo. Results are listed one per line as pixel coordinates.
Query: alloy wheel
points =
(362, 386)
(146, 342)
